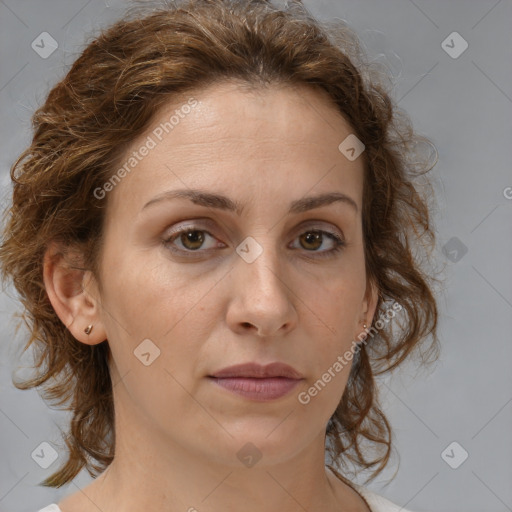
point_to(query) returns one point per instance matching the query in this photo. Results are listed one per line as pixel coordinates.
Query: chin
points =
(261, 443)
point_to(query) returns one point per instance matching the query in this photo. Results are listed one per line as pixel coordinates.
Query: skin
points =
(177, 433)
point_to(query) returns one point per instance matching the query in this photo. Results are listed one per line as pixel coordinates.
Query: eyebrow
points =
(221, 202)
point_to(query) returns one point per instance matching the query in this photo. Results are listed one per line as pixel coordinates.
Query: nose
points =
(263, 299)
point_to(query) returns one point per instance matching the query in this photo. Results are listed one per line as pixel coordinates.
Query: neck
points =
(147, 475)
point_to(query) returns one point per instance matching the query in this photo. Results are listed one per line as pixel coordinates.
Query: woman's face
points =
(258, 283)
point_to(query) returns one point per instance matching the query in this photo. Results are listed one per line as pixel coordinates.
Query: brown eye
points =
(192, 239)
(188, 240)
(312, 238)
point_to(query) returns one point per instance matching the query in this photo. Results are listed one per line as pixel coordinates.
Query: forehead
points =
(292, 114)
(232, 136)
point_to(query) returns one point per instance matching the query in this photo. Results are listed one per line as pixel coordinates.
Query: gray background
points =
(464, 105)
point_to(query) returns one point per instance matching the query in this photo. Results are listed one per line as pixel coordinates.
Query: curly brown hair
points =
(110, 95)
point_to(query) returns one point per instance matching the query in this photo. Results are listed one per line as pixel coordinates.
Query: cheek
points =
(149, 298)
(330, 319)
(148, 294)
(334, 302)
(154, 330)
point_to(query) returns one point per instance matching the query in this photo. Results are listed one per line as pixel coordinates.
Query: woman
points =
(213, 234)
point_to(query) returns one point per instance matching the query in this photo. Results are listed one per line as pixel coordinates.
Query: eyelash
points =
(339, 242)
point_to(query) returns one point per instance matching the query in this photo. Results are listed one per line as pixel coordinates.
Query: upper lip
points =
(255, 370)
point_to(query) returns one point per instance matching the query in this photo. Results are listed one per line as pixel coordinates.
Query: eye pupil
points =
(194, 237)
(312, 237)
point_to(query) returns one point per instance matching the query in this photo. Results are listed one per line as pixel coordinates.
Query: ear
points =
(369, 303)
(73, 292)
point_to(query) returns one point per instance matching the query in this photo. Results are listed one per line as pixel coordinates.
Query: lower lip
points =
(262, 390)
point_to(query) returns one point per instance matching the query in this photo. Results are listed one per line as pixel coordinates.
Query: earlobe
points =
(73, 294)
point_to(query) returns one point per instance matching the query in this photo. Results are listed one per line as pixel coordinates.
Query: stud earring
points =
(364, 326)
(88, 329)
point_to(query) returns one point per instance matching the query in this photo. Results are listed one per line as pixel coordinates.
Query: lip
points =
(257, 382)
(258, 371)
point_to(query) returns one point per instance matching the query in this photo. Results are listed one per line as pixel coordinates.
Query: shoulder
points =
(50, 508)
(377, 502)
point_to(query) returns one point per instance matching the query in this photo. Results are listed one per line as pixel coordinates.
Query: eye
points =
(192, 239)
(315, 238)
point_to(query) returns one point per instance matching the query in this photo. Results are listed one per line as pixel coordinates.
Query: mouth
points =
(257, 382)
